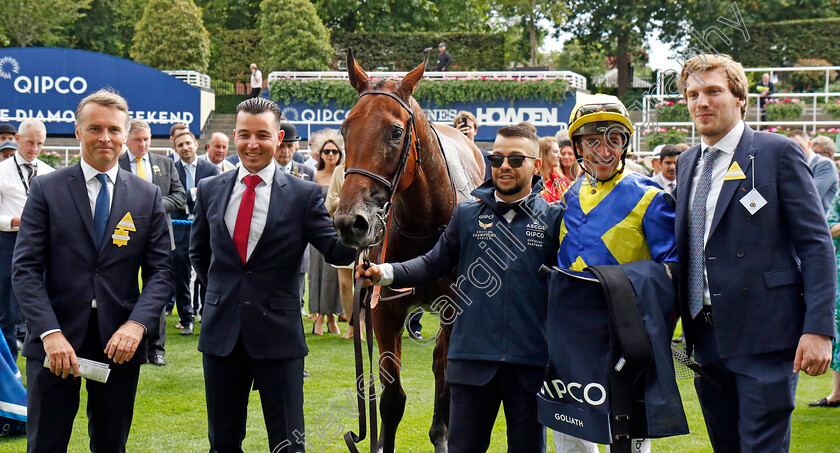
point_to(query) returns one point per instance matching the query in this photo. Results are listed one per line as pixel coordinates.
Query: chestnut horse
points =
(395, 162)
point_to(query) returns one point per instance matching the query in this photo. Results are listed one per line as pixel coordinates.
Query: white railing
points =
(70, 151)
(662, 76)
(300, 125)
(194, 78)
(811, 108)
(574, 79)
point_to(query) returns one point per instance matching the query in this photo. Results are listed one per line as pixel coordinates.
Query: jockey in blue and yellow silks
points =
(612, 216)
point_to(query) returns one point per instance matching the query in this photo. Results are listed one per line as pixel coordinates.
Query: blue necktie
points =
(101, 210)
(697, 233)
(190, 176)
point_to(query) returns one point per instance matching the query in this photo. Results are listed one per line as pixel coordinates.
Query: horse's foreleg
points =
(439, 432)
(388, 330)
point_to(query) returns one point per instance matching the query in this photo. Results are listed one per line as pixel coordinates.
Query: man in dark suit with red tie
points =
(86, 232)
(250, 229)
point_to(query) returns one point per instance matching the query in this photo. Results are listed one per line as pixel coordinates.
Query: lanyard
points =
(22, 179)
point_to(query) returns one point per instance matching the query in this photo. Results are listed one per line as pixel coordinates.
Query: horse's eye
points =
(396, 135)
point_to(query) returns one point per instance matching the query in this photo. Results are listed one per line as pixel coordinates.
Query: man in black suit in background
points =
(191, 170)
(160, 171)
(284, 157)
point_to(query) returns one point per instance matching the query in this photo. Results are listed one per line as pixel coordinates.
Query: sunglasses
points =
(330, 151)
(515, 161)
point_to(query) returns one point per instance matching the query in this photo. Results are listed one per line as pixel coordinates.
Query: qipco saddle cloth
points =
(611, 376)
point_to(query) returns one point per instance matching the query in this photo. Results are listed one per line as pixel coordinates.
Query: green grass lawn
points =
(170, 413)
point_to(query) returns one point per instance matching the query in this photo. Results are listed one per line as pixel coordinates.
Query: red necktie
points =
(243, 218)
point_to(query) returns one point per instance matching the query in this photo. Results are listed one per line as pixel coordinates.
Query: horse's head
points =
(378, 134)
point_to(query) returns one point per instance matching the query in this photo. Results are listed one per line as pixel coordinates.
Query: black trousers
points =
(183, 273)
(473, 410)
(53, 402)
(255, 92)
(227, 383)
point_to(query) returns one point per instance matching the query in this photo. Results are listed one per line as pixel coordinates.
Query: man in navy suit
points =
(86, 232)
(251, 227)
(191, 170)
(160, 171)
(284, 157)
(825, 173)
(757, 275)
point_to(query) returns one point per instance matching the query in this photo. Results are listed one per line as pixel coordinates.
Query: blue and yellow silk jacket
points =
(626, 219)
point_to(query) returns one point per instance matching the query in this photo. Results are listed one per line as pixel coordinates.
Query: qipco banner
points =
(48, 83)
(548, 117)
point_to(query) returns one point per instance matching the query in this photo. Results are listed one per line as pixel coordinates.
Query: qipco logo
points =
(45, 84)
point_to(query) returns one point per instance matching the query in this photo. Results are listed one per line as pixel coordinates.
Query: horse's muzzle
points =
(353, 229)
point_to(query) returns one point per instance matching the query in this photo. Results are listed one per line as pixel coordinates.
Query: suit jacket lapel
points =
(685, 178)
(742, 156)
(274, 206)
(78, 190)
(124, 163)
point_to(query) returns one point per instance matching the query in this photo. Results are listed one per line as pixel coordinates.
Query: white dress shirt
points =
(256, 79)
(132, 160)
(261, 202)
(13, 191)
(223, 166)
(727, 146)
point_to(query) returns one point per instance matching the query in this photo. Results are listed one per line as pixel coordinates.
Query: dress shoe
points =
(416, 335)
(188, 329)
(824, 402)
(157, 360)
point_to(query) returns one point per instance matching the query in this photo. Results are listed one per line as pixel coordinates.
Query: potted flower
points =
(51, 158)
(780, 109)
(669, 111)
(663, 136)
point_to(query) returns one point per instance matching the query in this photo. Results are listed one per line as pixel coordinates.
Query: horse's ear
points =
(409, 83)
(358, 77)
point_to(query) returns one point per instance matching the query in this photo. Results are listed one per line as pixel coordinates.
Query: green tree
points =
(170, 35)
(107, 27)
(618, 27)
(352, 16)
(27, 22)
(528, 14)
(589, 62)
(293, 38)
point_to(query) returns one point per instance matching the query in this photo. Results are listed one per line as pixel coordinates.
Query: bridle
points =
(396, 183)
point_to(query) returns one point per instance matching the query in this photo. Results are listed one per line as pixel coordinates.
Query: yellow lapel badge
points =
(734, 173)
(125, 225)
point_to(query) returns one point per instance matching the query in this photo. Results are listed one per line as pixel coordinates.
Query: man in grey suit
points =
(825, 173)
(160, 171)
(283, 156)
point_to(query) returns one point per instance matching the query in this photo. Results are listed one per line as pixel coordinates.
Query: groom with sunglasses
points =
(497, 350)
